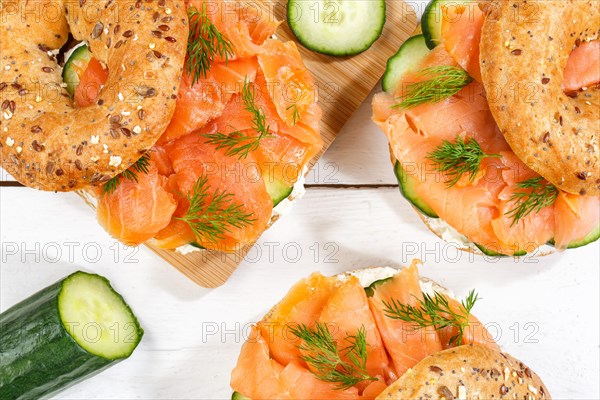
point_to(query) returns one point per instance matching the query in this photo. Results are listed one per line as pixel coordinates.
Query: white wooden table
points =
(545, 311)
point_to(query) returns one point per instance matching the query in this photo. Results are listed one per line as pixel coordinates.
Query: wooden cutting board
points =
(344, 83)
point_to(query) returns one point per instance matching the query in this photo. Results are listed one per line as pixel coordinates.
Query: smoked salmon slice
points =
(302, 384)
(257, 375)
(196, 105)
(575, 217)
(583, 67)
(281, 158)
(193, 157)
(406, 343)
(302, 305)
(90, 83)
(461, 34)
(347, 311)
(291, 87)
(136, 211)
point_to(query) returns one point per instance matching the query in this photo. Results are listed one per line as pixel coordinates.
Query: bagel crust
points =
(468, 372)
(45, 141)
(525, 45)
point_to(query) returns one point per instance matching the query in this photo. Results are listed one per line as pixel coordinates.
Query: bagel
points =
(524, 50)
(49, 144)
(474, 366)
(468, 372)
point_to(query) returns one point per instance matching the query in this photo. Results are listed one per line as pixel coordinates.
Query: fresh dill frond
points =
(295, 113)
(236, 143)
(327, 362)
(139, 167)
(531, 195)
(443, 82)
(456, 159)
(212, 215)
(434, 311)
(205, 44)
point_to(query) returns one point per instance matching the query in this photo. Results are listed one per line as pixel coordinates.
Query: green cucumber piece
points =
(406, 183)
(492, 253)
(589, 238)
(370, 290)
(336, 28)
(278, 190)
(407, 59)
(431, 21)
(75, 65)
(63, 334)
(238, 396)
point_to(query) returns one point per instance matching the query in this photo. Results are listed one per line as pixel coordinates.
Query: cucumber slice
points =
(336, 28)
(63, 334)
(278, 190)
(407, 59)
(492, 253)
(75, 66)
(370, 290)
(589, 238)
(431, 21)
(406, 183)
(238, 396)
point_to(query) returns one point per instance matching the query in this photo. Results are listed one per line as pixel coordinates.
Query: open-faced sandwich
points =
(493, 121)
(377, 333)
(187, 120)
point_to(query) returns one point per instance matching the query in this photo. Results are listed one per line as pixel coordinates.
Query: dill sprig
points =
(212, 215)
(236, 143)
(533, 195)
(327, 361)
(434, 311)
(443, 82)
(205, 44)
(295, 113)
(139, 167)
(456, 159)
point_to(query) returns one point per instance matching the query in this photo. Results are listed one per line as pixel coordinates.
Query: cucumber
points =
(406, 183)
(370, 290)
(493, 253)
(336, 28)
(408, 58)
(589, 238)
(238, 396)
(75, 66)
(63, 334)
(278, 190)
(431, 21)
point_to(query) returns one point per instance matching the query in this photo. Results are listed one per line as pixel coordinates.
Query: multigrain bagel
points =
(524, 50)
(468, 372)
(49, 144)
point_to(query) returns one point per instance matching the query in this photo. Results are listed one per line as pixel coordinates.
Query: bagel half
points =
(468, 372)
(524, 50)
(45, 141)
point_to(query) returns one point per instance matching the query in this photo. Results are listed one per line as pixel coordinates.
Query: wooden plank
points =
(536, 305)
